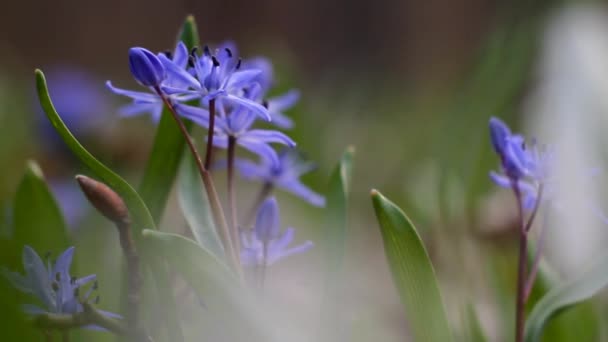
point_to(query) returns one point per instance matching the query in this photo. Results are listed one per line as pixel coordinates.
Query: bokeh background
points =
(409, 84)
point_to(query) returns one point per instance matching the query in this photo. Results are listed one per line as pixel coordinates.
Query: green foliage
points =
(139, 211)
(230, 306)
(333, 242)
(474, 329)
(168, 146)
(195, 207)
(413, 273)
(565, 296)
(38, 221)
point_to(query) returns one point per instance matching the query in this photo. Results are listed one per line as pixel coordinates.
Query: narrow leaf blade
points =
(138, 209)
(38, 221)
(565, 296)
(335, 238)
(195, 207)
(168, 146)
(413, 273)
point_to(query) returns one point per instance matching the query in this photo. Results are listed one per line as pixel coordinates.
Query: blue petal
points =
(241, 79)
(267, 225)
(64, 262)
(285, 101)
(180, 55)
(499, 132)
(262, 149)
(33, 310)
(176, 76)
(278, 255)
(249, 169)
(197, 115)
(135, 109)
(135, 95)
(256, 108)
(38, 277)
(302, 191)
(268, 136)
(17, 280)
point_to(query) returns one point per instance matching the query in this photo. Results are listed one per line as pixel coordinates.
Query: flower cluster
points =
(52, 285)
(227, 95)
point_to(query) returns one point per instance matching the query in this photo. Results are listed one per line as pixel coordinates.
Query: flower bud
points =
(146, 67)
(104, 199)
(499, 132)
(267, 221)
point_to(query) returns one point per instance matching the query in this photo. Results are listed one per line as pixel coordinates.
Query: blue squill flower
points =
(283, 173)
(216, 76)
(237, 124)
(150, 102)
(525, 166)
(52, 285)
(265, 244)
(146, 67)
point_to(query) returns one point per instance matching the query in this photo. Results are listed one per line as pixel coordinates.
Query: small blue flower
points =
(52, 285)
(265, 245)
(150, 102)
(216, 76)
(146, 67)
(525, 166)
(284, 173)
(237, 124)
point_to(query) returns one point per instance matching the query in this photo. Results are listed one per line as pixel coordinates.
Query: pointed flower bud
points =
(499, 132)
(267, 226)
(146, 67)
(104, 199)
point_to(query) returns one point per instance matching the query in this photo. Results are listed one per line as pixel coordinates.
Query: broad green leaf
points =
(334, 240)
(168, 146)
(38, 221)
(139, 211)
(565, 296)
(195, 206)
(413, 273)
(235, 313)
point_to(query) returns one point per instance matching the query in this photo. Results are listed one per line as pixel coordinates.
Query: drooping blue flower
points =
(237, 124)
(52, 285)
(265, 244)
(150, 102)
(146, 67)
(525, 166)
(283, 173)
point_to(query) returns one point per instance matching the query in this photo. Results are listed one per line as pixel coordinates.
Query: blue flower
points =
(56, 290)
(283, 173)
(146, 67)
(150, 102)
(525, 166)
(216, 76)
(237, 124)
(265, 245)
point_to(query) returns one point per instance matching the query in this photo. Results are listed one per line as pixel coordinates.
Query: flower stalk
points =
(234, 227)
(216, 208)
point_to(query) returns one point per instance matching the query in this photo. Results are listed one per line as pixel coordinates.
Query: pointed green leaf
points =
(334, 241)
(232, 308)
(138, 209)
(195, 206)
(168, 146)
(565, 296)
(413, 273)
(38, 221)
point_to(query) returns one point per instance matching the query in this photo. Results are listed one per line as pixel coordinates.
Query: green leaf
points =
(413, 273)
(334, 240)
(474, 326)
(195, 206)
(565, 296)
(230, 306)
(38, 221)
(139, 211)
(168, 146)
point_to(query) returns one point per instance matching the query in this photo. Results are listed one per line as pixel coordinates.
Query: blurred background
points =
(410, 84)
